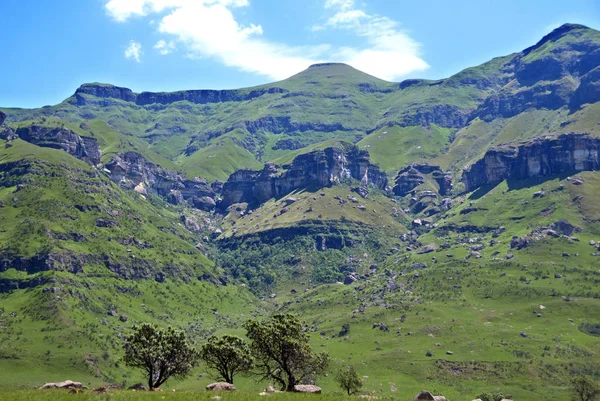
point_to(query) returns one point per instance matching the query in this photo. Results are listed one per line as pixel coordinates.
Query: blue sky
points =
(51, 47)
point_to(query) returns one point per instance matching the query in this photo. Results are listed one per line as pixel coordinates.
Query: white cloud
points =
(341, 4)
(389, 53)
(134, 51)
(165, 47)
(209, 29)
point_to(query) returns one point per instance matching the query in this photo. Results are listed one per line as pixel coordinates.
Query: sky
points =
(50, 47)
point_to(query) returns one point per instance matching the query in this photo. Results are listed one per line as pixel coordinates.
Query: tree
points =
(349, 380)
(228, 355)
(493, 396)
(282, 352)
(585, 388)
(160, 353)
(345, 330)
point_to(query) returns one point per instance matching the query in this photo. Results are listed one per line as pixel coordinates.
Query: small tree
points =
(160, 353)
(282, 352)
(349, 380)
(584, 388)
(493, 396)
(345, 330)
(228, 355)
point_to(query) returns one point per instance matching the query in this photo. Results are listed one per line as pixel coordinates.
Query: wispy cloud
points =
(134, 51)
(209, 29)
(165, 47)
(389, 53)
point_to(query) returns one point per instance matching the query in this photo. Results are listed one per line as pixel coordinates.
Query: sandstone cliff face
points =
(6, 132)
(318, 169)
(132, 171)
(146, 98)
(413, 175)
(545, 156)
(84, 148)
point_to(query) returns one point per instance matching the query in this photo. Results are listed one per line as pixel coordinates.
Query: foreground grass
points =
(60, 395)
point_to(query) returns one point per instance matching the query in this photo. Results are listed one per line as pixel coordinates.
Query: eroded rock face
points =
(194, 96)
(81, 147)
(545, 156)
(318, 169)
(413, 176)
(6, 132)
(131, 170)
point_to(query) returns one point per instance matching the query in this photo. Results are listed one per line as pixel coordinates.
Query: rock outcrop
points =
(546, 156)
(103, 91)
(85, 148)
(413, 176)
(132, 171)
(318, 169)
(6, 132)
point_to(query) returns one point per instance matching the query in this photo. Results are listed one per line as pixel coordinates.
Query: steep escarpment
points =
(132, 171)
(81, 147)
(104, 91)
(317, 169)
(547, 156)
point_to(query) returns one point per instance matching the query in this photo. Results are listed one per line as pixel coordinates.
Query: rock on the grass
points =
(68, 384)
(307, 388)
(221, 386)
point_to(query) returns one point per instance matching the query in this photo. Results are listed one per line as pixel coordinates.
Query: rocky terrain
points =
(541, 157)
(314, 170)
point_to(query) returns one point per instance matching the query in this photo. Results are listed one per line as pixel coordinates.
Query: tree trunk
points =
(291, 383)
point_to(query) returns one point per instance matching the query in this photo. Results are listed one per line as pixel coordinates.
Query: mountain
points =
(452, 223)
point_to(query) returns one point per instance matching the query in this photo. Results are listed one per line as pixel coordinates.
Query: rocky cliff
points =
(6, 132)
(546, 156)
(145, 98)
(318, 169)
(132, 171)
(81, 147)
(413, 176)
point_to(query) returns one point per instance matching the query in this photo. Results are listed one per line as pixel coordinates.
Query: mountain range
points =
(452, 223)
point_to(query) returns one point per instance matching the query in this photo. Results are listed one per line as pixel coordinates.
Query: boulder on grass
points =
(221, 386)
(307, 388)
(139, 387)
(427, 396)
(68, 384)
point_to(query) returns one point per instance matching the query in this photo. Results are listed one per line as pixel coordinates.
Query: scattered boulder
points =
(307, 388)
(427, 248)
(68, 384)
(220, 386)
(427, 396)
(139, 387)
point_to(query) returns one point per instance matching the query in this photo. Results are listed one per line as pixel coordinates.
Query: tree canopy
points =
(349, 380)
(228, 355)
(282, 351)
(160, 353)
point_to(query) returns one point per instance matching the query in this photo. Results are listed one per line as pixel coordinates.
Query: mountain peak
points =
(558, 33)
(332, 64)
